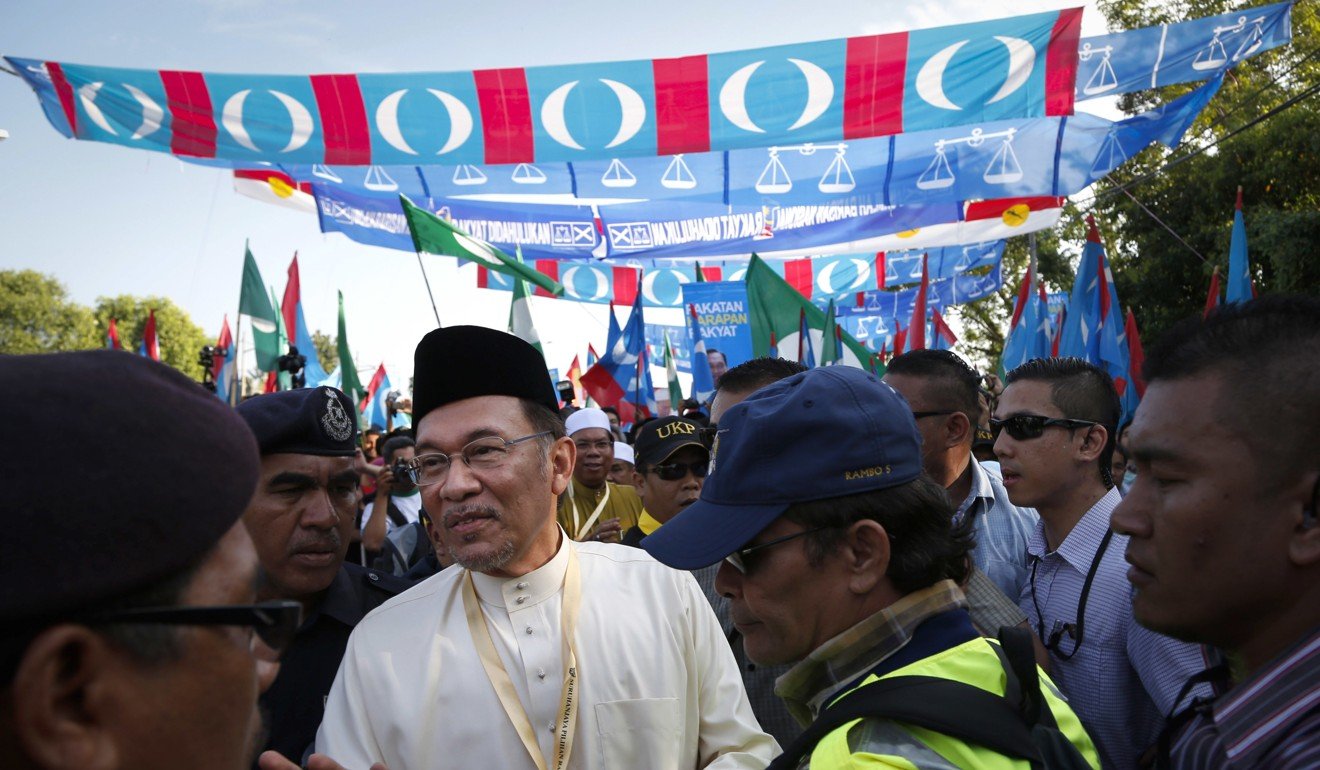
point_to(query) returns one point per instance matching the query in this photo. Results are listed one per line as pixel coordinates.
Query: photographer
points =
(396, 502)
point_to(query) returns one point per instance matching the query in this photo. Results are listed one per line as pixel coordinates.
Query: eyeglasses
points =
(1022, 427)
(941, 413)
(604, 445)
(1054, 641)
(274, 623)
(676, 471)
(739, 558)
(483, 454)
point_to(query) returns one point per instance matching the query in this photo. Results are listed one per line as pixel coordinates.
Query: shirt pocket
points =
(645, 732)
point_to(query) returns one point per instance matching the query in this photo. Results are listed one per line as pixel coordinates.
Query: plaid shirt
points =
(809, 685)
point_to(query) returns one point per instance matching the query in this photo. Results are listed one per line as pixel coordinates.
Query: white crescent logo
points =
(631, 106)
(231, 117)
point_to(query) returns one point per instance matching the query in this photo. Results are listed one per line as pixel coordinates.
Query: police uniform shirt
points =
(296, 700)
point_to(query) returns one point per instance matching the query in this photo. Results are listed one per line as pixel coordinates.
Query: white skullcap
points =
(624, 452)
(586, 418)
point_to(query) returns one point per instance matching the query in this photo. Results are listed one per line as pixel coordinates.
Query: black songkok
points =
(468, 361)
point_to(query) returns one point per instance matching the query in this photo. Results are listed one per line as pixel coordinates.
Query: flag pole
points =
(422, 267)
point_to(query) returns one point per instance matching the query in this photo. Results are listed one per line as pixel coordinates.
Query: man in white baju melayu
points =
(543, 653)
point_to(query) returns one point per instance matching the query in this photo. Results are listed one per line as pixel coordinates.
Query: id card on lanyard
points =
(566, 721)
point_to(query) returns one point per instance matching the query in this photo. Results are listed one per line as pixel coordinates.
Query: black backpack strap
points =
(1018, 654)
(952, 708)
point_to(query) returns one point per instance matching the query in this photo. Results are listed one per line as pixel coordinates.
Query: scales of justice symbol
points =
(837, 179)
(1212, 57)
(1003, 167)
(677, 175)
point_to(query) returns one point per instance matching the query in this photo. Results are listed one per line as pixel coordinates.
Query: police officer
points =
(301, 520)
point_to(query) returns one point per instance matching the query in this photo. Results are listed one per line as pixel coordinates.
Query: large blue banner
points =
(1185, 52)
(722, 311)
(873, 317)
(1046, 156)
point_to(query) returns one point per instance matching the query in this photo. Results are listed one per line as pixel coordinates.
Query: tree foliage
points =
(1276, 161)
(327, 350)
(180, 340)
(37, 316)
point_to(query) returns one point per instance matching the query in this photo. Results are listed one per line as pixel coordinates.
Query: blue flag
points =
(1239, 267)
(703, 383)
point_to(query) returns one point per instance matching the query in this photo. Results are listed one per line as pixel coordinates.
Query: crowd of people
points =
(821, 568)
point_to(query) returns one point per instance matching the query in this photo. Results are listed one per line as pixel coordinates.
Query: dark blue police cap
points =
(118, 472)
(307, 421)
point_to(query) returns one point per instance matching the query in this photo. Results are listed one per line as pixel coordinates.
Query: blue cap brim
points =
(705, 532)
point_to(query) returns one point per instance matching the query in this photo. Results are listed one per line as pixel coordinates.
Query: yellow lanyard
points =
(566, 725)
(582, 530)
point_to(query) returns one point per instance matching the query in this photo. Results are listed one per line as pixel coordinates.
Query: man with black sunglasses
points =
(839, 556)
(671, 464)
(1055, 425)
(131, 637)
(301, 519)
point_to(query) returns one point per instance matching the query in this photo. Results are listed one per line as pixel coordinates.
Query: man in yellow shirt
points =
(594, 508)
(671, 464)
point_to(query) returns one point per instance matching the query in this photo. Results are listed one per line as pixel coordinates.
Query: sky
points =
(107, 220)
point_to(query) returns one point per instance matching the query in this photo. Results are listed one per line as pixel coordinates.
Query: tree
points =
(1276, 161)
(37, 316)
(327, 350)
(180, 339)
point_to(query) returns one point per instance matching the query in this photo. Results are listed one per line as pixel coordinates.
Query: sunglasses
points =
(275, 623)
(676, 471)
(741, 559)
(1023, 427)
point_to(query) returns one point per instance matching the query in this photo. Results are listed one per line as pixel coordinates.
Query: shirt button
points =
(521, 586)
(540, 672)
(529, 629)
(522, 599)
(550, 727)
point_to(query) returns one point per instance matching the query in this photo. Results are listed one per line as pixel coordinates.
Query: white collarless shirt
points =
(659, 687)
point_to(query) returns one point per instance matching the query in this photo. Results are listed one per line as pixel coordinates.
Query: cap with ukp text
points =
(828, 432)
(658, 439)
(306, 421)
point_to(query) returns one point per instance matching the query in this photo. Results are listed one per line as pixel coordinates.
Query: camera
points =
(293, 363)
(403, 472)
(565, 389)
(206, 358)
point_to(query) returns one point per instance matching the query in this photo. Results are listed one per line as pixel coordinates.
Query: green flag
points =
(775, 310)
(701, 275)
(520, 313)
(348, 376)
(829, 351)
(433, 235)
(282, 342)
(671, 372)
(254, 303)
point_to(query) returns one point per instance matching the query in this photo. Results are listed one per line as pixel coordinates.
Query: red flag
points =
(1136, 358)
(575, 377)
(879, 272)
(900, 338)
(1211, 297)
(226, 341)
(1024, 289)
(944, 336)
(112, 336)
(272, 381)
(150, 345)
(292, 295)
(916, 339)
(376, 380)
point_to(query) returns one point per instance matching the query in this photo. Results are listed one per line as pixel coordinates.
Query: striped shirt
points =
(1124, 678)
(1002, 530)
(1271, 720)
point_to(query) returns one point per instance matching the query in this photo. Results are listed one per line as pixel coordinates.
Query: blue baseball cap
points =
(828, 432)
